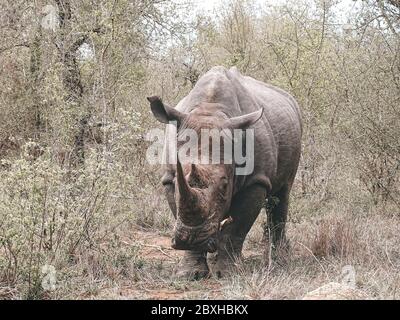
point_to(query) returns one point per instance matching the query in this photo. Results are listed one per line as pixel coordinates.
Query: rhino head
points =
(202, 192)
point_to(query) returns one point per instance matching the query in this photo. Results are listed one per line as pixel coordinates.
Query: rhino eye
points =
(224, 183)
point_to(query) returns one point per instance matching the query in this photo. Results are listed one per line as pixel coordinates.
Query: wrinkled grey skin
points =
(225, 94)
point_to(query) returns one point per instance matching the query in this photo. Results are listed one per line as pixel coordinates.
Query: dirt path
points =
(156, 279)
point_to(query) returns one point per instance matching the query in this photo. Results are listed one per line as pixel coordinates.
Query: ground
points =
(321, 251)
(156, 249)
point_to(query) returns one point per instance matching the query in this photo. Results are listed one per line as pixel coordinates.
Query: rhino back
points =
(282, 121)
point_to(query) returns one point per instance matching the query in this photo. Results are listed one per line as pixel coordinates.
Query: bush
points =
(49, 215)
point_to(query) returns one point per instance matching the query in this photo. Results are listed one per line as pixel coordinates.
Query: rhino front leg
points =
(193, 266)
(277, 217)
(245, 208)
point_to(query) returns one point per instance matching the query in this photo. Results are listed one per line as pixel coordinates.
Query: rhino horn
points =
(187, 194)
(188, 199)
(194, 172)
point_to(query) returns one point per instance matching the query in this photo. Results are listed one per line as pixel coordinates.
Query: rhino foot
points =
(228, 254)
(222, 263)
(193, 266)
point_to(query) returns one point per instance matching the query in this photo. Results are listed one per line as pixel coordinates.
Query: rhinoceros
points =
(214, 207)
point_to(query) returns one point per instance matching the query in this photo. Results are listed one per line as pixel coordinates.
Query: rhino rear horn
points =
(194, 172)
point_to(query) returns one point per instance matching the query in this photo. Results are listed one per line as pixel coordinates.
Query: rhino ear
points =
(245, 121)
(163, 112)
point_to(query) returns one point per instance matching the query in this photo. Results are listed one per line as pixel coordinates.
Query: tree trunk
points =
(35, 67)
(72, 78)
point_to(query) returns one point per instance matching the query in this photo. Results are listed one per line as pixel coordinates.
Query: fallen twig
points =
(159, 248)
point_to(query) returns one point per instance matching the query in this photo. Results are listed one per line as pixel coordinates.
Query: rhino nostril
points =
(211, 245)
(184, 237)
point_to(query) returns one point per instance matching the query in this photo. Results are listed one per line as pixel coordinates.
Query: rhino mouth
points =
(204, 237)
(208, 245)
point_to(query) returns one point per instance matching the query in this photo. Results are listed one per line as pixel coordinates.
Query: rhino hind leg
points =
(245, 208)
(193, 266)
(277, 216)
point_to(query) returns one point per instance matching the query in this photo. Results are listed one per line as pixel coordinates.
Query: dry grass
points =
(133, 258)
(105, 226)
(320, 248)
(142, 264)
